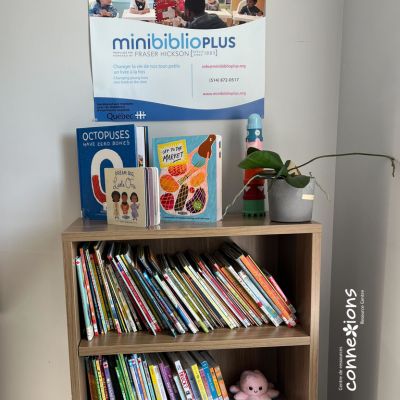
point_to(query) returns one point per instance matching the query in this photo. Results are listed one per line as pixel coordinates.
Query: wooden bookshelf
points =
(291, 252)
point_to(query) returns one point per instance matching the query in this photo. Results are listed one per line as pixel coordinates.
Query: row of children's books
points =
(126, 289)
(189, 176)
(157, 376)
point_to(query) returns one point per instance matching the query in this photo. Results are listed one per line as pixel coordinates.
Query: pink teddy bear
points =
(253, 385)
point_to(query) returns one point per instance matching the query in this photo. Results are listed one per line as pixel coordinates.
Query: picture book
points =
(101, 147)
(190, 169)
(132, 196)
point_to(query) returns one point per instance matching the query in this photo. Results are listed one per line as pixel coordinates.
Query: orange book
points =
(270, 290)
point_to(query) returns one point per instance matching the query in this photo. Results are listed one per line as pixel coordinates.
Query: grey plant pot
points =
(289, 204)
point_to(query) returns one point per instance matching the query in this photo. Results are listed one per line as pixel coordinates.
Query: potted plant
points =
(290, 194)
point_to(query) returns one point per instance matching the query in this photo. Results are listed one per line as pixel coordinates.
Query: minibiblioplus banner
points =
(145, 71)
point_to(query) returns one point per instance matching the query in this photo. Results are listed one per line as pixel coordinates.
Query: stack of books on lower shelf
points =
(126, 289)
(156, 376)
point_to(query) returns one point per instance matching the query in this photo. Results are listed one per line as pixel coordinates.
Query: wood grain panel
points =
(231, 225)
(143, 342)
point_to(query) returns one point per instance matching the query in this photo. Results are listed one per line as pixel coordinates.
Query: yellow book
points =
(101, 380)
(156, 378)
(199, 382)
(154, 381)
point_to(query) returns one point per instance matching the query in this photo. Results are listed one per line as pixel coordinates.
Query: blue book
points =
(103, 147)
(190, 170)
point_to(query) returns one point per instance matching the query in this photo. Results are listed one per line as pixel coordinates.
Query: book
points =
(156, 378)
(94, 394)
(107, 146)
(84, 300)
(184, 379)
(107, 375)
(215, 368)
(190, 170)
(132, 196)
(191, 363)
(205, 368)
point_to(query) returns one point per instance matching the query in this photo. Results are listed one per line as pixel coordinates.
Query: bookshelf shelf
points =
(263, 336)
(288, 356)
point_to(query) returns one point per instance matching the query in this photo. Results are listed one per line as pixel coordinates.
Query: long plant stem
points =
(392, 159)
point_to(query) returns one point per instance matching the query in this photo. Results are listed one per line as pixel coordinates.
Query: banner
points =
(144, 71)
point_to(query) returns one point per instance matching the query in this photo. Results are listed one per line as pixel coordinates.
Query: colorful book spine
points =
(85, 301)
(167, 380)
(184, 380)
(269, 311)
(125, 375)
(121, 383)
(110, 298)
(178, 384)
(142, 377)
(107, 375)
(94, 395)
(156, 386)
(100, 291)
(179, 309)
(205, 383)
(131, 286)
(135, 378)
(285, 313)
(95, 294)
(89, 292)
(201, 285)
(147, 376)
(199, 382)
(222, 293)
(207, 373)
(102, 383)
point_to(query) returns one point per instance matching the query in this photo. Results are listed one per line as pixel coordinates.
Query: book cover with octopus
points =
(190, 169)
(103, 147)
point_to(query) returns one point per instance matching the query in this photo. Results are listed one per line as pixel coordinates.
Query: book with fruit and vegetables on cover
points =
(190, 170)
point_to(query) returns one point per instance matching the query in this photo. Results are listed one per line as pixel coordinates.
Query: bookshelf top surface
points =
(231, 225)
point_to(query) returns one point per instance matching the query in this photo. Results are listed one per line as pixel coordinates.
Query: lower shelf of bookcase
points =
(144, 342)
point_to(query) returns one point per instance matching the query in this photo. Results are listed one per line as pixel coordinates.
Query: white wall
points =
(46, 93)
(366, 229)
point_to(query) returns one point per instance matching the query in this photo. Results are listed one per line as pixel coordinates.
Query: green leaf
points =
(283, 172)
(262, 159)
(298, 181)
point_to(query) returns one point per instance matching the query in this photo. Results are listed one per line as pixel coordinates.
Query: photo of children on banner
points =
(102, 8)
(192, 14)
(212, 5)
(139, 7)
(196, 17)
(251, 9)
